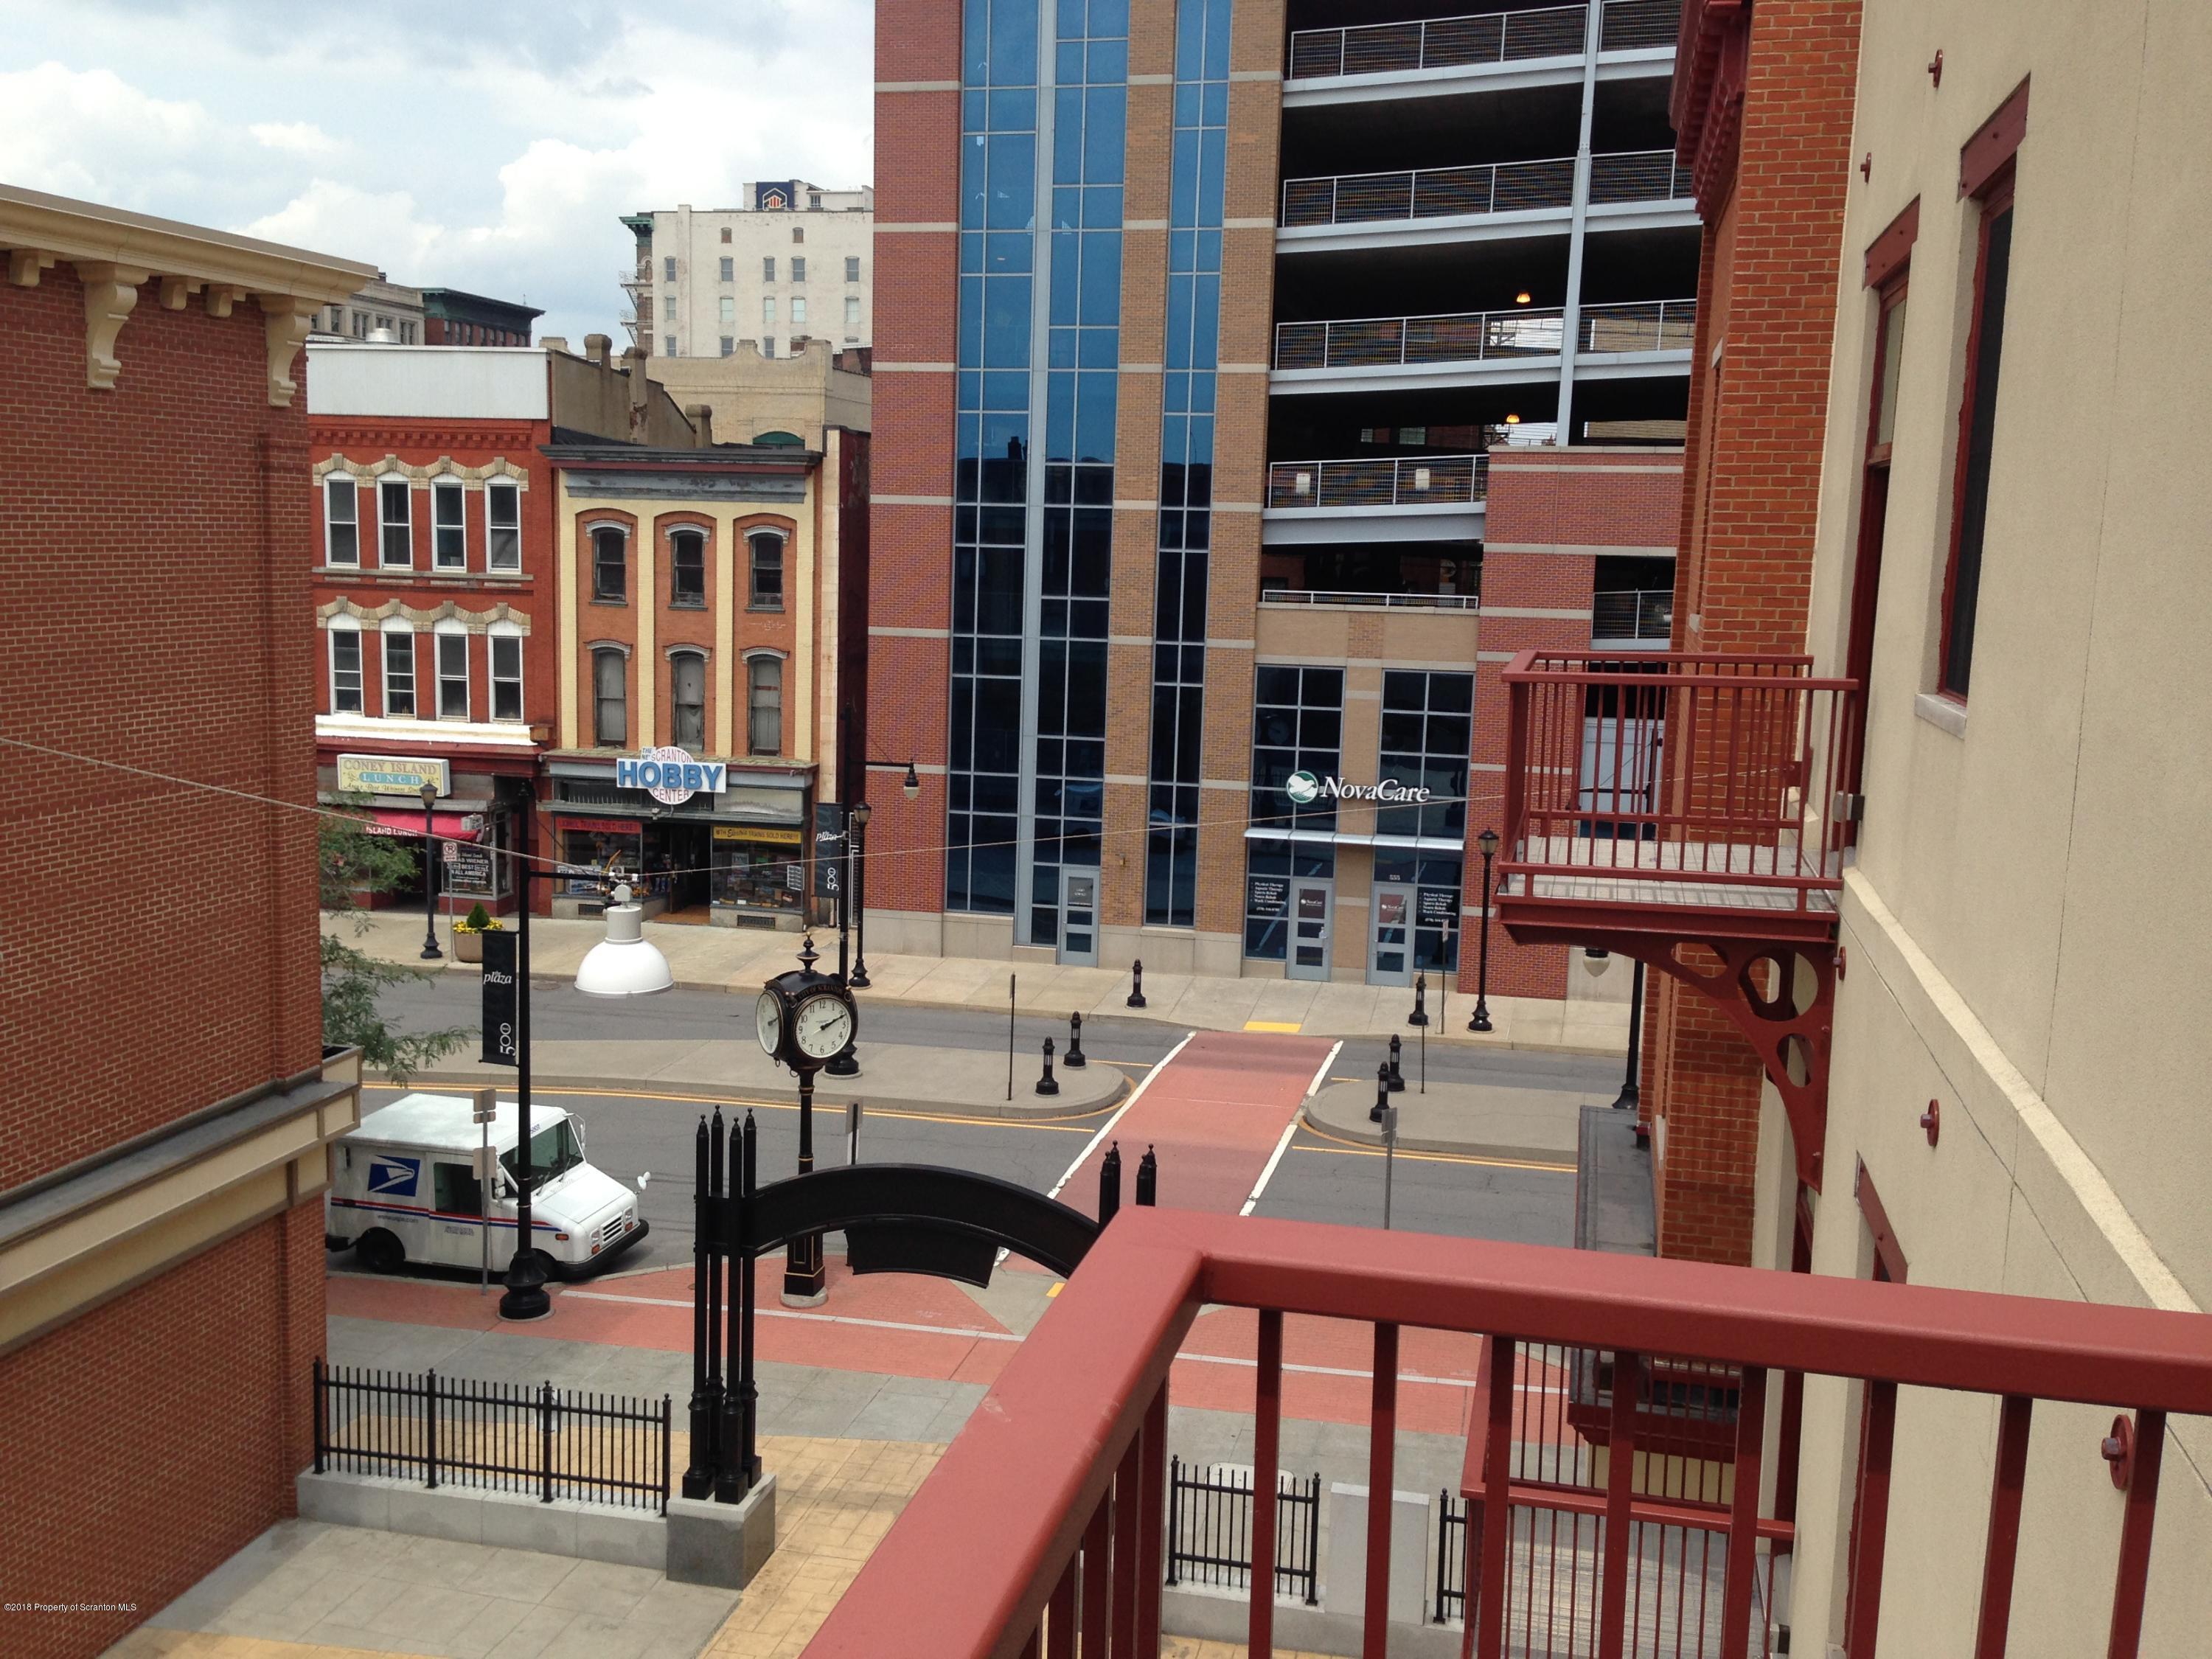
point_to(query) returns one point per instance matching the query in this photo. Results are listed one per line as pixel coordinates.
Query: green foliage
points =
(351, 861)
(479, 920)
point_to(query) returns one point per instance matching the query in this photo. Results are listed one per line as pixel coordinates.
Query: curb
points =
(1370, 1135)
(784, 1094)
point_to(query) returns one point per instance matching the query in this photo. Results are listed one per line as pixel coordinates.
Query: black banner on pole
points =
(500, 985)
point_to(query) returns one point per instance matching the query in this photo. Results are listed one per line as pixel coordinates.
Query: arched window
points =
(687, 567)
(610, 562)
(687, 700)
(764, 704)
(766, 549)
(610, 698)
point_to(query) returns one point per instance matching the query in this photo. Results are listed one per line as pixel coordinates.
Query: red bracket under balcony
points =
(1675, 808)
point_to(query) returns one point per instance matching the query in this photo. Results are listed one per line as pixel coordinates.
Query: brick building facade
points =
(161, 1279)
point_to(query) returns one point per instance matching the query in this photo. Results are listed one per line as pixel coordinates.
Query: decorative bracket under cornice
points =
(286, 318)
(24, 264)
(111, 293)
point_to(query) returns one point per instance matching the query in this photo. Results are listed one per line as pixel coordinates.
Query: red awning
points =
(406, 821)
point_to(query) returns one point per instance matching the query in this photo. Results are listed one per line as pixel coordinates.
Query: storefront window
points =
(1436, 882)
(1269, 868)
(1427, 731)
(759, 869)
(598, 846)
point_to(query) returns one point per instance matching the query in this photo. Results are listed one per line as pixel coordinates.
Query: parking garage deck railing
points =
(1641, 325)
(1040, 1532)
(1480, 38)
(1360, 198)
(1326, 596)
(1400, 481)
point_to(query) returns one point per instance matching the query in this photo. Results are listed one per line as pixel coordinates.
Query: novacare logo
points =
(1304, 789)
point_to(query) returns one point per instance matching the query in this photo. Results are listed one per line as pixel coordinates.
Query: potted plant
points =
(469, 932)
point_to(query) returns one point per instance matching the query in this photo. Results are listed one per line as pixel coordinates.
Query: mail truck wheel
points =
(379, 1251)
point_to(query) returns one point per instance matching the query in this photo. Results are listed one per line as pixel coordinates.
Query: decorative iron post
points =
(1381, 1092)
(1109, 1184)
(1048, 1085)
(1487, 842)
(431, 950)
(1136, 985)
(1075, 1059)
(1420, 1014)
(699, 1474)
(1148, 1178)
(1397, 1077)
(748, 1394)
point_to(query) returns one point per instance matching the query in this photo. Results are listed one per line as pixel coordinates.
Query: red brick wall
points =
(1598, 499)
(907, 675)
(1766, 298)
(150, 1438)
(154, 610)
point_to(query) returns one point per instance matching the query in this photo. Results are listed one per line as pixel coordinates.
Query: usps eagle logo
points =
(393, 1177)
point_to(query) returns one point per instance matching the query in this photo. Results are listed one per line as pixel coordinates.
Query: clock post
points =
(804, 1278)
(806, 1020)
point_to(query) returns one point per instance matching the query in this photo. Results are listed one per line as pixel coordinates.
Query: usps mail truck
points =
(406, 1186)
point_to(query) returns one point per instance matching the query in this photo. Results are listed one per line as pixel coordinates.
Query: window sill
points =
(596, 600)
(687, 605)
(765, 610)
(1945, 713)
(410, 573)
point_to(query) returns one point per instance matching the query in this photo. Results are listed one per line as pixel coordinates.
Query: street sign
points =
(487, 1104)
(501, 1000)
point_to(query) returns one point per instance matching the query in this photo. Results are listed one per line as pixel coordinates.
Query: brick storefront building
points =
(161, 1030)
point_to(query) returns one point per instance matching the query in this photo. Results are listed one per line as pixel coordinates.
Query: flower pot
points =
(467, 946)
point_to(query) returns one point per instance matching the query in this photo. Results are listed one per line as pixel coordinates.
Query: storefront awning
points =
(1353, 838)
(406, 821)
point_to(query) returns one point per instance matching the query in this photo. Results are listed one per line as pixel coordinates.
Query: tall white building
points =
(793, 262)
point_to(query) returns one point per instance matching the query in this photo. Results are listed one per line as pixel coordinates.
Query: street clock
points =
(805, 1019)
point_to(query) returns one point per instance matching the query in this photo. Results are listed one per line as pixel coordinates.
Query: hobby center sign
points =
(1304, 789)
(671, 777)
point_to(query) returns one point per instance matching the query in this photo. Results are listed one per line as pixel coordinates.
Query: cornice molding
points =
(475, 621)
(444, 467)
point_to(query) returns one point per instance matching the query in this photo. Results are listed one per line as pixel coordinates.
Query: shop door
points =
(1312, 902)
(1079, 918)
(1390, 958)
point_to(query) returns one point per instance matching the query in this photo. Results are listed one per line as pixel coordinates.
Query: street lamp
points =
(431, 950)
(856, 871)
(1486, 843)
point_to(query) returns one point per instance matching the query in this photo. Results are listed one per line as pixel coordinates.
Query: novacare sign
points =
(1304, 789)
(671, 777)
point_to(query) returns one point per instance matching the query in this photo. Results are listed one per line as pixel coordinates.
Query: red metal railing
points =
(1039, 1533)
(1703, 783)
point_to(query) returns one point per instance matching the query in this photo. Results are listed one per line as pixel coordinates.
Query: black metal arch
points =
(910, 1218)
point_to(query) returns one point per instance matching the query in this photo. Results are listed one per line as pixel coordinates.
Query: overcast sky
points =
(489, 145)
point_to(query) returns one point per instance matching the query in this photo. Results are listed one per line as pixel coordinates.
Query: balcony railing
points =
(1405, 480)
(1493, 37)
(1694, 782)
(1630, 24)
(1361, 199)
(1645, 613)
(1040, 1532)
(1484, 335)
(1380, 601)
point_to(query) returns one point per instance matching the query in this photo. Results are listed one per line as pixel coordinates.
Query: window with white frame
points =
(687, 700)
(852, 268)
(687, 567)
(610, 698)
(764, 706)
(340, 519)
(505, 672)
(395, 522)
(729, 345)
(852, 311)
(453, 671)
(668, 307)
(398, 668)
(767, 308)
(729, 269)
(729, 308)
(668, 345)
(345, 666)
(767, 345)
(797, 308)
(765, 549)
(668, 269)
(449, 534)
(502, 525)
(798, 268)
(610, 562)
(767, 268)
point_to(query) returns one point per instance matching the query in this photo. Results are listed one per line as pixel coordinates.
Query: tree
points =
(353, 860)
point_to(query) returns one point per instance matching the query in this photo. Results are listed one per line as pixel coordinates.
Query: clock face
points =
(768, 1014)
(823, 1025)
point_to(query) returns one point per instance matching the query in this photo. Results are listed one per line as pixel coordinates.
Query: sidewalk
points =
(1477, 1120)
(740, 959)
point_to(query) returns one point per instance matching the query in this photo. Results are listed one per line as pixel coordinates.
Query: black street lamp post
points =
(431, 950)
(1631, 1094)
(1486, 843)
(524, 1296)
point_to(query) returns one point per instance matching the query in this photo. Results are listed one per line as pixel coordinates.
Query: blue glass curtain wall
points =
(1194, 320)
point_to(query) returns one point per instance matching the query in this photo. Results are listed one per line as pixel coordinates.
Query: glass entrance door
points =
(1079, 917)
(1311, 905)
(1390, 958)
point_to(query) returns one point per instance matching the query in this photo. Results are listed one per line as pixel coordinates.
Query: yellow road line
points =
(1066, 1126)
(1344, 1148)
(1291, 1027)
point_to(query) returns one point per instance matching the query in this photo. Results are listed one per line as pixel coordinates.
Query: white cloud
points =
(298, 137)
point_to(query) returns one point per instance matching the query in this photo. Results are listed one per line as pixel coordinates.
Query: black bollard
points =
(1381, 1092)
(1075, 1059)
(1136, 985)
(1148, 1178)
(1397, 1077)
(1420, 1014)
(1048, 1085)
(699, 1477)
(1109, 1184)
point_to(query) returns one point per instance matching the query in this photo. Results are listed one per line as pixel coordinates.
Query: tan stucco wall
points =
(750, 394)
(2024, 921)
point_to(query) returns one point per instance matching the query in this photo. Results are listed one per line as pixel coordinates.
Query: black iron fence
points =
(1451, 1559)
(1209, 1529)
(493, 1437)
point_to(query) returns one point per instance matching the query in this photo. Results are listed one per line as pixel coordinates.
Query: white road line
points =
(1275, 1157)
(1107, 1127)
(1314, 1088)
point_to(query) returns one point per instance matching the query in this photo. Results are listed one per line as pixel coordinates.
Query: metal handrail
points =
(1492, 37)
(1380, 601)
(1630, 24)
(1399, 481)
(1348, 199)
(1484, 335)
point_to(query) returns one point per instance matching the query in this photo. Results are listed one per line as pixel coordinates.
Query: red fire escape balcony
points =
(1679, 809)
(1040, 1534)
